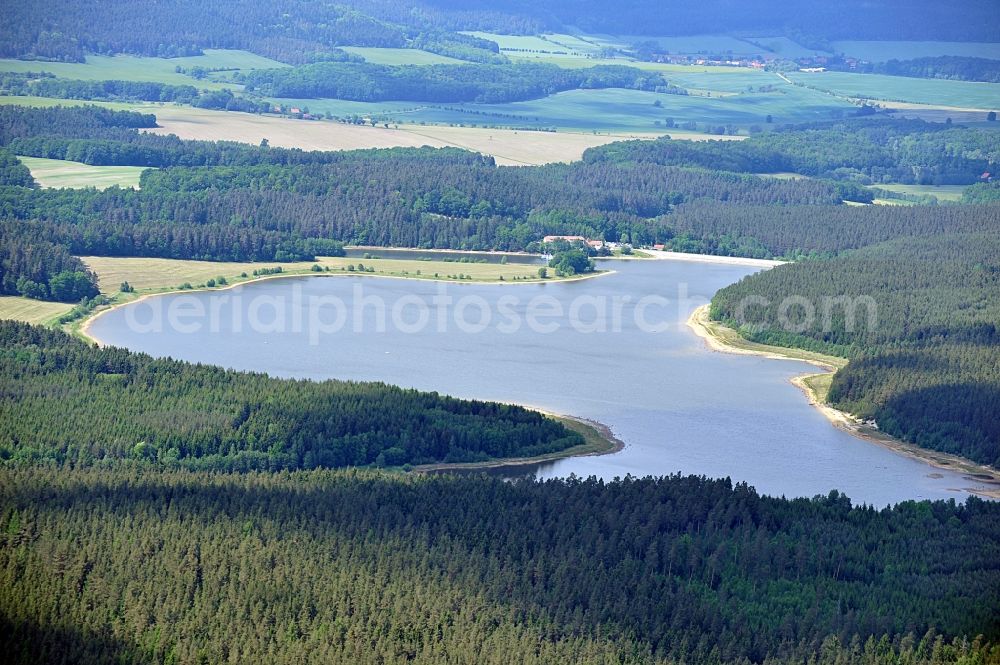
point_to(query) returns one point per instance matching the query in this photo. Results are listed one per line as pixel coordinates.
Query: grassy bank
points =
(720, 337)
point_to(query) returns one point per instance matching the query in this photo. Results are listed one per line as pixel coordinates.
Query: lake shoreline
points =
(599, 439)
(703, 327)
(81, 328)
(602, 441)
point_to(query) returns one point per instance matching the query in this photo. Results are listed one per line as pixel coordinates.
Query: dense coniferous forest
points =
(292, 203)
(36, 268)
(75, 404)
(814, 22)
(923, 341)
(867, 151)
(490, 84)
(297, 31)
(157, 511)
(293, 31)
(358, 567)
(952, 67)
(263, 203)
(13, 172)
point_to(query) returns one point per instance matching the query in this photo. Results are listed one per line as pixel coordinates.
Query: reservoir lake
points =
(677, 405)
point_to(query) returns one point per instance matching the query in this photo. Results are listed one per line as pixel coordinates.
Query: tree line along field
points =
(158, 274)
(294, 202)
(399, 56)
(930, 92)
(508, 146)
(559, 111)
(940, 192)
(150, 275)
(135, 68)
(881, 51)
(620, 110)
(720, 96)
(548, 44)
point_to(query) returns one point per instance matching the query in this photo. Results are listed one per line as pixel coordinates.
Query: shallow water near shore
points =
(678, 406)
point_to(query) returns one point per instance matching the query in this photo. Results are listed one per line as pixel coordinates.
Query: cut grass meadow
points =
(31, 311)
(942, 192)
(58, 173)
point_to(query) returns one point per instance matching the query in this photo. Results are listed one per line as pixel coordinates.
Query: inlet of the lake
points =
(613, 349)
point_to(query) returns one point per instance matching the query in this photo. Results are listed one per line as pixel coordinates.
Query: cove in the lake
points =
(678, 406)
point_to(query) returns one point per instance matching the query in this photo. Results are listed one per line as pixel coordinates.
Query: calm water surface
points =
(677, 405)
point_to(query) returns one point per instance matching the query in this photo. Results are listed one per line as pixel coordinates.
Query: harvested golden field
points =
(508, 146)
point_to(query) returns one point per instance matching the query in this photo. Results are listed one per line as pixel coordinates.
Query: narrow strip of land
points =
(598, 440)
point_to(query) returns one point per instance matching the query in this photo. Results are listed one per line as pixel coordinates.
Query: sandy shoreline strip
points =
(702, 326)
(661, 255)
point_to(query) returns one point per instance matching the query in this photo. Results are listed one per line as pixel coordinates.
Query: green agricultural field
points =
(576, 62)
(782, 47)
(632, 110)
(577, 43)
(882, 51)
(614, 109)
(400, 56)
(732, 80)
(58, 173)
(935, 92)
(132, 68)
(566, 45)
(694, 44)
(942, 192)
